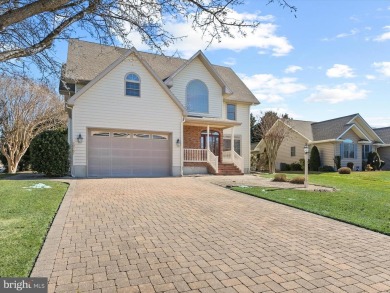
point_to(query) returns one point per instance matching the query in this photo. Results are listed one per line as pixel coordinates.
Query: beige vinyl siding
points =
(355, 138)
(105, 105)
(242, 115)
(196, 70)
(327, 153)
(284, 153)
(384, 153)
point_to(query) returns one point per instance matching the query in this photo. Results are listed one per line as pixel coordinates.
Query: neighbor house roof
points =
(303, 127)
(331, 129)
(87, 60)
(384, 134)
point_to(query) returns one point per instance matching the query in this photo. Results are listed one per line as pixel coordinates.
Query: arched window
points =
(132, 85)
(197, 97)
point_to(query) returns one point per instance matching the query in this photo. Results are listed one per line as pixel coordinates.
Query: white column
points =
(232, 143)
(208, 142)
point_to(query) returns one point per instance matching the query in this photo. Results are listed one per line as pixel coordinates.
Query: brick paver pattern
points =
(187, 235)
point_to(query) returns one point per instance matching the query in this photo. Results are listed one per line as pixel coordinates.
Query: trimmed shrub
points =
(280, 177)
(326, 168)
(298, 180)
(284, 167)
(295, 166)
(315, 161)
(50, 153)
(350, 165)
(344, 170)
(302, 163)
(337, 161)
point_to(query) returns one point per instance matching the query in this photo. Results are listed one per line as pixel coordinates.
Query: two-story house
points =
(140, 114)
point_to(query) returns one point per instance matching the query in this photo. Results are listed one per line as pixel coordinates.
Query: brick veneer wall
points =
(192, 137)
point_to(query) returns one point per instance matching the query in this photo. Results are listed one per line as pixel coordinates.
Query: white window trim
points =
(235, 112)
(208, 98)
(126, 81)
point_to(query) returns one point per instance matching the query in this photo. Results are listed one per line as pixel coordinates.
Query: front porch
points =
(204, 151)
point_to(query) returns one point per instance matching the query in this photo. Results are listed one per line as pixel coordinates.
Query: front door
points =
(213, 141)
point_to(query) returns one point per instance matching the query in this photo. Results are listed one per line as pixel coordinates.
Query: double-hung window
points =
(231, 111)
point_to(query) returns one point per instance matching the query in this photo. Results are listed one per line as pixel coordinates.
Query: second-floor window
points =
(197, 97)
(133, 85)
(231, 112)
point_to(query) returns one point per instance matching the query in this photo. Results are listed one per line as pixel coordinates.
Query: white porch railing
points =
(212, 160)
(195, 155)
(227, 157)
(201, 155)
(231, 157)
(238, 161)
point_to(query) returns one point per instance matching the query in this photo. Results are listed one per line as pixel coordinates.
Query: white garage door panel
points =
(128, 155)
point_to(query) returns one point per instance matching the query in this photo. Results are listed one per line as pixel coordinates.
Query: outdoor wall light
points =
(79, 138)
(178, 142)
(306, 149)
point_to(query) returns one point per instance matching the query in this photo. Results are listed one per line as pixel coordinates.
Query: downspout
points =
(71, 140)
(182, 146)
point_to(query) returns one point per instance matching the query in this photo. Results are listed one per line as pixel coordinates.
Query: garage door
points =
(128, 154)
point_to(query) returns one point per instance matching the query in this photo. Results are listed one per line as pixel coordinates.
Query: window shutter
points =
(355, 150)
(342, 150)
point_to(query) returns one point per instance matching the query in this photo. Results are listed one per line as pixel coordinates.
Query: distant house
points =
(384, 151)
(136, 114)
(349, 137)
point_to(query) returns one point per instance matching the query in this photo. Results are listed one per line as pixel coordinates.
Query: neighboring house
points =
(139, 114)
(384, 150)
(349, 137)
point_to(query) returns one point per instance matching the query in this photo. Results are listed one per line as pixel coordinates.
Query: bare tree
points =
(26, 109)
(274, 129)
(28, 28)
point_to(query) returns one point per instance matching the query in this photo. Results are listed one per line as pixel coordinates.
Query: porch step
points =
(228, 169)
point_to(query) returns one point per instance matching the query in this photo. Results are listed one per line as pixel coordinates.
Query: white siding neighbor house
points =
(349, 137)
(136, 114)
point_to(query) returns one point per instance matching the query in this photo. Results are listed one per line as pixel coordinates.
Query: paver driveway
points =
(183, 234)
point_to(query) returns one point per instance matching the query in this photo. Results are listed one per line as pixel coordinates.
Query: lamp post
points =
(306, 150)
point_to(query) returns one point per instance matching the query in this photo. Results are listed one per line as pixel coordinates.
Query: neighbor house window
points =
(366, 148)
(348, 149)
(292, 151)
(133, 85)
(231, 111)
(197, 97)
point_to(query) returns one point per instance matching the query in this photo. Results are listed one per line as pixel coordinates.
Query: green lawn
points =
(362, 198)
(25, 216)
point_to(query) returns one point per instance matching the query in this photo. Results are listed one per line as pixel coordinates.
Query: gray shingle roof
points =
(303, 127)
(86, 60)
(331, 129)
(384, 134)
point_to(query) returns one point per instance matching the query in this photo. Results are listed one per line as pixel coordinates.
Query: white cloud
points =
(340, 93)
(340, 70)
(385, 36)
(382, 67)
(345, 35)
(264, 38)
(293, 69)
(259, 111)
(230, 61)
(267, 87)
(378, 122)
(370, 77)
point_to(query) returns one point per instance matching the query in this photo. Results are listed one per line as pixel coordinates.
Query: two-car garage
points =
(128, 154)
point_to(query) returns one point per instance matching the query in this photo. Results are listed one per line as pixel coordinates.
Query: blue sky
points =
(332, 60)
